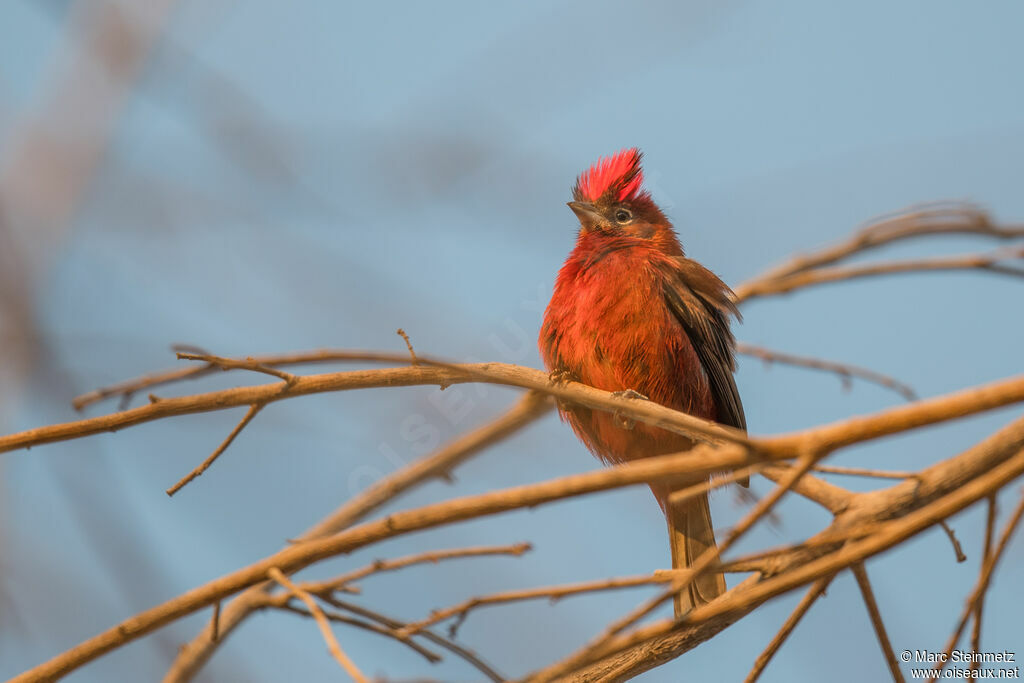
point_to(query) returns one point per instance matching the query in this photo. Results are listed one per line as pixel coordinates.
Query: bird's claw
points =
(620, 419)
(629, 393)
(561, 376)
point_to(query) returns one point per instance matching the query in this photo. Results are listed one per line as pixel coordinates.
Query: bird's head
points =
(610, 201)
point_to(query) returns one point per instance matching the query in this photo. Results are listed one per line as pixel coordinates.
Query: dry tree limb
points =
(845, 371)
(682, 495)
(321, 620)
(395, 625)
(528, 409)
(816, 590)
(408, 344)
(979, 606)
(552, 593)
(429, 372)
(215, 622)
(658, 642)
(833, 498)
(686, 576)
(204, 465)
(876, 620)
(701, 459)
(432, 556)
(810, 597)
(984, 577)
(990, 261)
(282, 602)
(238, 364)
(943, 490)
(129, 388)
(934, 219)
(863, 472)
(957, 549)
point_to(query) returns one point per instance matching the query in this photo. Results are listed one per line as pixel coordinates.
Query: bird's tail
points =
(690, 534)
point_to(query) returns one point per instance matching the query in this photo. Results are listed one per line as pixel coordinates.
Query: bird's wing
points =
(702, 304)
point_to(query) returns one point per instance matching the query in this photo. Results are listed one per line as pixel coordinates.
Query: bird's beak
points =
(587, 213)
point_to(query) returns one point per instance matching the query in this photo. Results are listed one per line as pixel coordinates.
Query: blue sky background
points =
(295, 176)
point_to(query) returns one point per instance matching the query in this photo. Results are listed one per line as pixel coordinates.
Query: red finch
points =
(631, 313)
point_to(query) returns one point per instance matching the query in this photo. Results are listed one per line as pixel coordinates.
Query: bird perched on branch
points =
(631, 314)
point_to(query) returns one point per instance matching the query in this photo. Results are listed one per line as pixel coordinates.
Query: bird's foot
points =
(620, 419)
(561, 376)
(629, 393)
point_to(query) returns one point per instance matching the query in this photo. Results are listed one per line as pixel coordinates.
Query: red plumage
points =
(620, 172)
(631, 312)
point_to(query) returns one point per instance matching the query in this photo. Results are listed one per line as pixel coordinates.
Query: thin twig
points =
(552, 593)
(433, 556)
(657, 639)
(979, 606)
(529, 408)
(408, 344)
(682, 495)
(959, 551)
(466, 654)
(844, 370)
(816, 590)
(321, 620)
(846, 432)
(203, 466)
(833, 498)
(942, 218)
(131, 387)
(876, 620)
(429, 655)
(863, 472)
(984, 577)
(989, 261)
(429, 372)
(215, 621)
(686, 577)
(236, 364)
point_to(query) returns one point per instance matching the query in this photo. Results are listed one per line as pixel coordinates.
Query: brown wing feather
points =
(702, 304)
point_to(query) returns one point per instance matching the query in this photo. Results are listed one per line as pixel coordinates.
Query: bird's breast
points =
(608, 325)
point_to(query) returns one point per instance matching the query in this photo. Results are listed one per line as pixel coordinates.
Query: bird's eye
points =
(623, 216)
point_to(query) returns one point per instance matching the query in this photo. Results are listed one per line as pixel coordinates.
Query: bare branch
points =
(429, 372)
(408, 344)
(816, 590)
(984, 577)
(979, 605)
(960, 557)
(876, 620)
(202, 467)
(833, 498)
(935, 219)
(321, 620)
(437, 464)
(453, 647)
(130, 387)
(862, 472)
(281, 602)
(433, 556)
(702, 563)
(844, 370)
(943, 490)
(234, 364)
(701, 459)
(553, 593)
(989, 261)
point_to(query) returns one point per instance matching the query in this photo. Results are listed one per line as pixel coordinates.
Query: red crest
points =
(619, 175)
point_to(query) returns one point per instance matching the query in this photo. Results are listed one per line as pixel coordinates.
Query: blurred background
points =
(259, 177)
